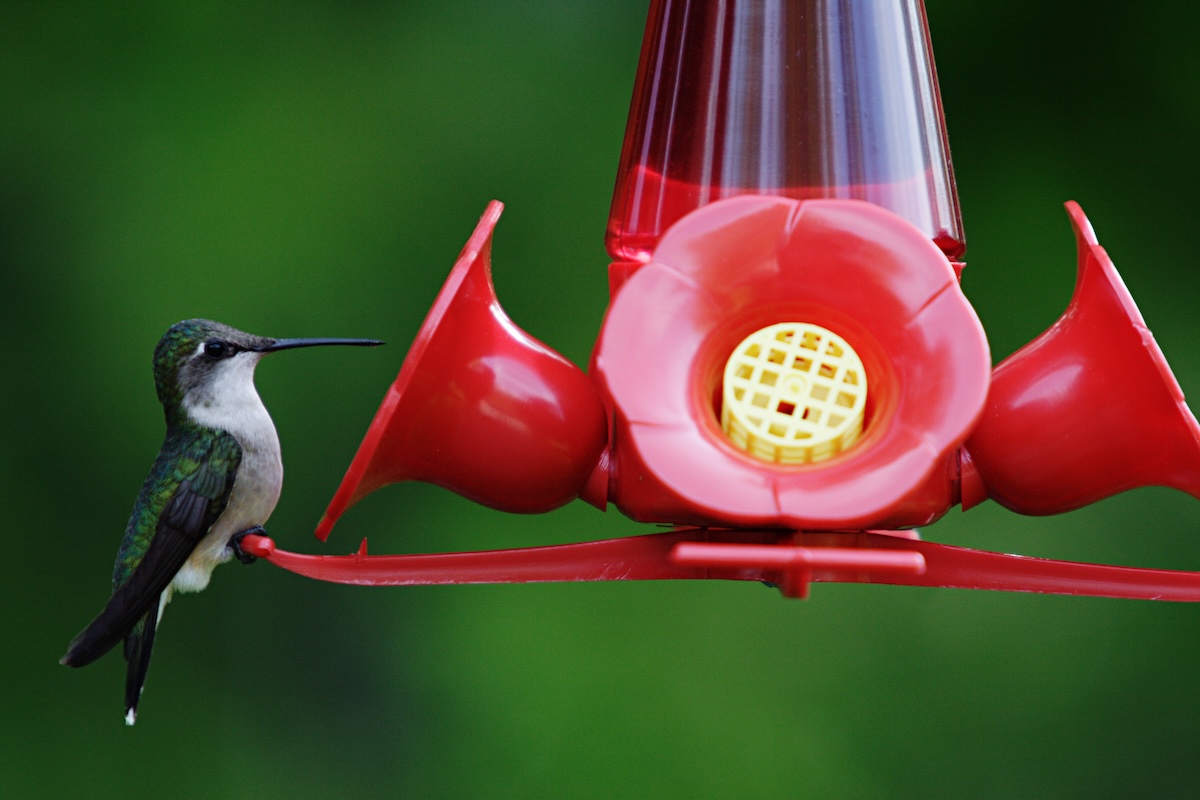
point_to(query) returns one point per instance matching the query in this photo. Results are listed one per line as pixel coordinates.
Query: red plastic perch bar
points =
(790, 561)
(631, 558)
(648, 557)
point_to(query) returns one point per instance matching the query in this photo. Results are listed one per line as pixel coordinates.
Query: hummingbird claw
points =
(235, 542)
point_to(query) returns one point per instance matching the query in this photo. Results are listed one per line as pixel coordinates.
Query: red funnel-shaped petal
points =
(481, 407)
(1088, 409)
(800, 98)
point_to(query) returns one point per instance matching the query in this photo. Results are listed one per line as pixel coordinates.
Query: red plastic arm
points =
(962, 568)
(790, 561)
(629, 558)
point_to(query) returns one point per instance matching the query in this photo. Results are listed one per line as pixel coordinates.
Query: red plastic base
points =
(788, 560)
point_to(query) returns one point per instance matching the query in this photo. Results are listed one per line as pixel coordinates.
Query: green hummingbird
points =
(216, 478)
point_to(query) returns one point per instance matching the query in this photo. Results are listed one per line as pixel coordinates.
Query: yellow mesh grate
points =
(794, 393)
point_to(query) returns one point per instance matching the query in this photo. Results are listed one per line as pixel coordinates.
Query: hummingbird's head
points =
(201, 363)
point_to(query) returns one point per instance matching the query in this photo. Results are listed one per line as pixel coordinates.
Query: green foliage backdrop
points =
(312, 168)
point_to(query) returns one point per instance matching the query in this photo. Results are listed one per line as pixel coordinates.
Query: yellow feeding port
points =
(794, 393)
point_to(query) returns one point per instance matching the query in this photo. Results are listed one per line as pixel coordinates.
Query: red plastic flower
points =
(739, 265)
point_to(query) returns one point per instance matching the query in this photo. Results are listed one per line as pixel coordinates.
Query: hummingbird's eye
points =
(217, 349)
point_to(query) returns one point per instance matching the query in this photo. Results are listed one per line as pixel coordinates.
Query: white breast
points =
(230, 402)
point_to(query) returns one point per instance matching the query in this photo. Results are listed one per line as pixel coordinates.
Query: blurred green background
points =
(310, 168)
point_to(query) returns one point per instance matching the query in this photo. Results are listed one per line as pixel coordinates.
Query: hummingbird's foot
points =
(235, 542)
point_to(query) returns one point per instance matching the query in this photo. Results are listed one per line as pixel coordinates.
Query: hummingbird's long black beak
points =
(288, 344)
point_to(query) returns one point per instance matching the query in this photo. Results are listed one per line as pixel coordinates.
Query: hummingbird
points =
(216, 479)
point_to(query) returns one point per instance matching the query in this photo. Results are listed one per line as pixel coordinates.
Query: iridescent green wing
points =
(187, 489)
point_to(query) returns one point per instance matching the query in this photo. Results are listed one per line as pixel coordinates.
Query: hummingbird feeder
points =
(788, 372)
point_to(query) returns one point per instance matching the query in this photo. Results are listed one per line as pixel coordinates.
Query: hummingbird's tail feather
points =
(138, 646)
(102, 633)
(139, 594)
(111, 626)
